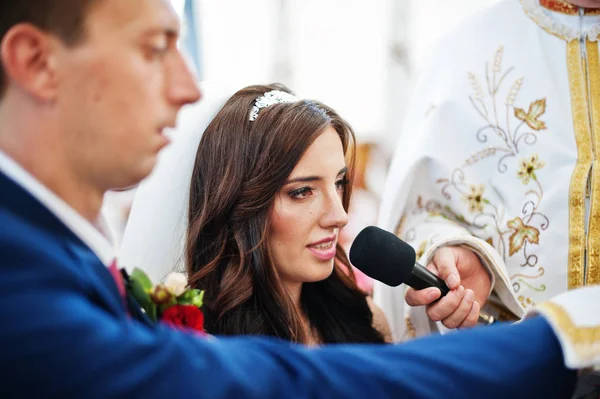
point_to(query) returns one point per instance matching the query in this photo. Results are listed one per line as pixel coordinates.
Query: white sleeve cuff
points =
(493, 263)
(575, 318)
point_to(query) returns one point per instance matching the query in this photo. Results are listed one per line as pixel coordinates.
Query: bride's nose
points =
(334, 214)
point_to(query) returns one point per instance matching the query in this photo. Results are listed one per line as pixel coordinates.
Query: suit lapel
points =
(85, 262)
(104, 287)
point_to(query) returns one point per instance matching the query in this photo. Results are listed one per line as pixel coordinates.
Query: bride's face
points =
(308, 213)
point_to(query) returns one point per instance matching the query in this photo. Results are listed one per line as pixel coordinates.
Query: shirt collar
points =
(95, 237)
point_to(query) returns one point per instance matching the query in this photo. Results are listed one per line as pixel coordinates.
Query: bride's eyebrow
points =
(306, 179)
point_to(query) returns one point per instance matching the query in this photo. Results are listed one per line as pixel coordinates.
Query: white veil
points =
(154, 237)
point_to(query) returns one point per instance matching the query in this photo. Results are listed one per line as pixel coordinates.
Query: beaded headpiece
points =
(271, 98)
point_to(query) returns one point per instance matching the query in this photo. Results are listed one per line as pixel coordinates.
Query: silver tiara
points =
(271, 98)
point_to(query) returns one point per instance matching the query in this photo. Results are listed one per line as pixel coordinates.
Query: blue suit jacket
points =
(65, 334)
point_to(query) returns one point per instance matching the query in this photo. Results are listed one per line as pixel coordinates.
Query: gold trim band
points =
(577, 189)
(593, 245)
(585, 340)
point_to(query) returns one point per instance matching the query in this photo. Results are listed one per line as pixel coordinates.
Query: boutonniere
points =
(171, 302)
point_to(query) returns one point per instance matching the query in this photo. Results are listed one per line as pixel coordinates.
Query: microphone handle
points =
(420, 278)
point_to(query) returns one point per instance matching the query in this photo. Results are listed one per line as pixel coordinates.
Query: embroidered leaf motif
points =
(536, 109)
(521, 233)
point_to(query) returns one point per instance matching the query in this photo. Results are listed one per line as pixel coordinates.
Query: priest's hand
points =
(469, 284)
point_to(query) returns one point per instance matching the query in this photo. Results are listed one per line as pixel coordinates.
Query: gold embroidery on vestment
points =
(577, 190)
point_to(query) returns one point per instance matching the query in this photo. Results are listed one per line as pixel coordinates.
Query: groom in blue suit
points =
(86, 88)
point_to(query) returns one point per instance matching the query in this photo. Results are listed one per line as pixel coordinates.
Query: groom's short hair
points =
(63, 18)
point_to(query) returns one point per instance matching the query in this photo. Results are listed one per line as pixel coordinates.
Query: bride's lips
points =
(326, 252)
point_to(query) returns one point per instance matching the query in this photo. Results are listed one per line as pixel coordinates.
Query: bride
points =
(253, 216)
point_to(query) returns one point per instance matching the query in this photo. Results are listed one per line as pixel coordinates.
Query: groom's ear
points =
(28, 57)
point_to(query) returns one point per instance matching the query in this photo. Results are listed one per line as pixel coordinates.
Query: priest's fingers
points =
(445, 263)
(421, 297)
(473, 317)
(459, 316)
(447, 305)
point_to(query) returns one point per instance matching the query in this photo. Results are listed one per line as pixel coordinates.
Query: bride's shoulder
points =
(379, 320)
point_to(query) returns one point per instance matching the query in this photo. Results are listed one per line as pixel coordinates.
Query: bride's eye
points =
(301, 193)
(342, 183)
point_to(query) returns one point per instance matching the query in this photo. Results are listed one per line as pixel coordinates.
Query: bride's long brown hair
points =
(239, 169)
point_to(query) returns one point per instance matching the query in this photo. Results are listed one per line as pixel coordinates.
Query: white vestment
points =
(499, 154)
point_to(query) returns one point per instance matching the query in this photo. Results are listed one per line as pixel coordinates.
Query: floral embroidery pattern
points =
(475, 198)
(528, 168)
(512, 236)
(511, 140)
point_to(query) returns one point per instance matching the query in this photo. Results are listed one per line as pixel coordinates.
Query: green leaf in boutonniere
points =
(143, 298)
(191, 297)
(197, 300)
(187, 296)
(141, 277)
(140, 289)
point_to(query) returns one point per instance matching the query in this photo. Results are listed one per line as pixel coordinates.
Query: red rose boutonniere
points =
(171, 302)
(184, 316)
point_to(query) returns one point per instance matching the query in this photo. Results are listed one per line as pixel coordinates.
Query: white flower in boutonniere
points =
(172, 303)
(176, 283)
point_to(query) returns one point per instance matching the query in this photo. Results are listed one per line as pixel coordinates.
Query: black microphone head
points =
(382, 256)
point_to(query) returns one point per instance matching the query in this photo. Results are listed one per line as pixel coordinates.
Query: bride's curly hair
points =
(240, 167)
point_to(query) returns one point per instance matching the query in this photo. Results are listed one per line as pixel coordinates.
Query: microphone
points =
(386, 258)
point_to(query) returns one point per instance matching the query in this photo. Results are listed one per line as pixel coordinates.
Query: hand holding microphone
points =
(463, 282)
(459, 267)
